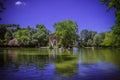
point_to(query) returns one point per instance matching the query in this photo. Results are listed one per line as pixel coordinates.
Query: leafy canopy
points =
(67, 32)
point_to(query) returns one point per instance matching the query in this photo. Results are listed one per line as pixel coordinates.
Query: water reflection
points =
(75, 64)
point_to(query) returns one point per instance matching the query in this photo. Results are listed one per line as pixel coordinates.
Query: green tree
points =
(86, 37)
(8, 36)
(91, 34)
(116, 28)
(22, 36)
(3, 30)
(89, 42)
(116, 32)
(7, 32)
(108, 40)
(7, 27)
(41, 35)
(97, 40)
(32, 37)
(67, 32)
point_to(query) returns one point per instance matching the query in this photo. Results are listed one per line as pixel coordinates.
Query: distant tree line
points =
(23, 36)
(93, 39)
(66, 30)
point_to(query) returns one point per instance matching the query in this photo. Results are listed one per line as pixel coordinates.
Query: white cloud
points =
(18, 3)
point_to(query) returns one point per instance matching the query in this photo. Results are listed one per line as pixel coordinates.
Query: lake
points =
(56, 64)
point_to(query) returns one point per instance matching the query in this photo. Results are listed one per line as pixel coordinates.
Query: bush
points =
(50, 47)
(59, 45)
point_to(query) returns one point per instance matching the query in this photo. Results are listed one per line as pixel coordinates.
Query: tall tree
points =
(108, 40)
(2, 8)
(8, 36)
(97, 39)
(41, 35)
(67, 32)
(22, 36)
(3, 30)
(116, 28)
(86, 37)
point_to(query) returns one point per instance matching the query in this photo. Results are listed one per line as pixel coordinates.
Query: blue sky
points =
(88, 14)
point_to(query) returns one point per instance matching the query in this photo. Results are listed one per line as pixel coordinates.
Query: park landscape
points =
(67, 52)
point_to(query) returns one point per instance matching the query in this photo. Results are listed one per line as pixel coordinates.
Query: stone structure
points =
(13, 42)
(53, 41)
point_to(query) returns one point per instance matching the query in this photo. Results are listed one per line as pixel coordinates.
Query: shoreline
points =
(47, 47)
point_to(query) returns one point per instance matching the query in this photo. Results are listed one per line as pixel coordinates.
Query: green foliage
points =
(86, 38)
(31, 37)
(22, 36)
(1, 42)
(25, 36)
(59, 45)
(42, 35)
(7, 32)
(3, 30)
(108, 40)
(89, 42)
(67, 32)
(50, 47)
(8, 36)
(112, 3)
(116, 32)
(97, 39)
(116, 28)
(84, 34)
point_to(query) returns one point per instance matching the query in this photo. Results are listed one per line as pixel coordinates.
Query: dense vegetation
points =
(115, 34)
(15, 36)
(67, 31)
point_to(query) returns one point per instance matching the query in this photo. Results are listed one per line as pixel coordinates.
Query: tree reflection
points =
(59, 63)
(90, 56)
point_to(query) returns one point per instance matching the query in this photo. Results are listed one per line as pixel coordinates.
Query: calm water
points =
(45, 64)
